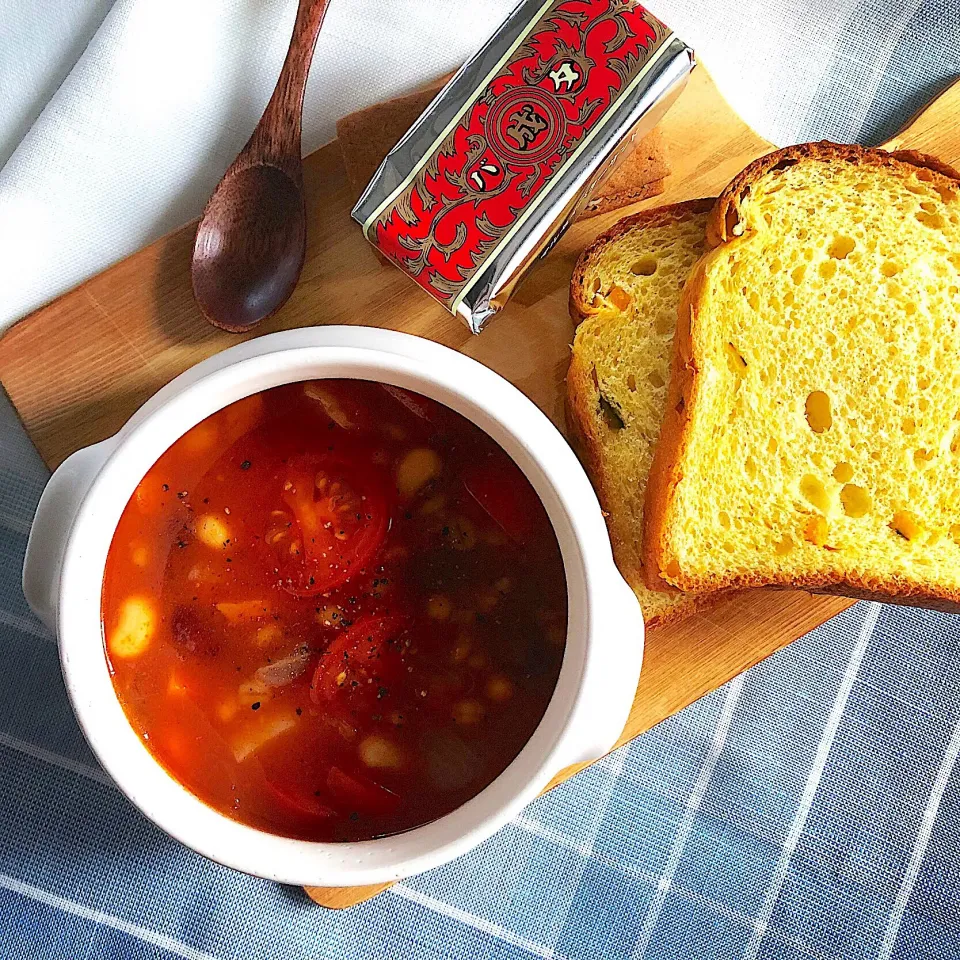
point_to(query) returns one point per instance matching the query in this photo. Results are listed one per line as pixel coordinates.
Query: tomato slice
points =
(302, 804)
(361, 794)
(506, 495)
(362, 663)
(342, 517)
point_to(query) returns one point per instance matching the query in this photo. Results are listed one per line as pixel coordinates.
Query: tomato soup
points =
(334, 610)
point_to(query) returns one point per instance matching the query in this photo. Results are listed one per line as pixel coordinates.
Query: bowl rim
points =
(452, 378)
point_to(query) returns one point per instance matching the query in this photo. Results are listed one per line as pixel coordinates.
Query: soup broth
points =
(334, 610)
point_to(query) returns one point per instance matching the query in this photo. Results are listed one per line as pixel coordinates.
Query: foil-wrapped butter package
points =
(497, 166)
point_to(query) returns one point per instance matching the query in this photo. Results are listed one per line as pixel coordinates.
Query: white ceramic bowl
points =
(81, 506)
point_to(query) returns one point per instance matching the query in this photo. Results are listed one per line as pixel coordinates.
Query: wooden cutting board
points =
(77, 368)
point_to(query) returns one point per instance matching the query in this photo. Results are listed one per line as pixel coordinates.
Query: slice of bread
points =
(624, 294)
(812, 434)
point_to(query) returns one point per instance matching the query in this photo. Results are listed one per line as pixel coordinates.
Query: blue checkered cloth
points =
(810, 808)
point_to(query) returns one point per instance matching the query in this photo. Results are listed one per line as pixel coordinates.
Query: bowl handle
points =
(51, 527)
(609, 686)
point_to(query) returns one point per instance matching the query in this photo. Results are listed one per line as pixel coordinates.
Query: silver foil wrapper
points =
(499, 164)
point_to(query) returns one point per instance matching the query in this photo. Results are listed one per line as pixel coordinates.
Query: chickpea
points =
(468, 712)
(380, 753)
(499, 688)
(433, 505)
(478, 661)
(461, 649)
(213, 532)
(439, 607)
(135, 629)
(416, 470)
(460, 534)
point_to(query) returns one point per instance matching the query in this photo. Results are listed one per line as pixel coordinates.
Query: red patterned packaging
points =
(497, 166)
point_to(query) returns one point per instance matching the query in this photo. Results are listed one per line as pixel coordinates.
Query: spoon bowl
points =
(252, 238)
(250, 247)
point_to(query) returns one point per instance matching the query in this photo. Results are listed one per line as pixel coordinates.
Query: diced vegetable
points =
(280, 673)
(256, 735)
(135, 627)
(244, 610)
(355, 793)
(253, 691)
(336, 404)
(300, 802)
(421, 407)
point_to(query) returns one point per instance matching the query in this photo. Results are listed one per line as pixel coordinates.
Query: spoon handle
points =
(276, 139)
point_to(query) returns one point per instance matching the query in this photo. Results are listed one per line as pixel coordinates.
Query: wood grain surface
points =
(77, 368)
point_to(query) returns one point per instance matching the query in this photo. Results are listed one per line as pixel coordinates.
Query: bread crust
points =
(725, 219)
(684, 393)
(682, 396)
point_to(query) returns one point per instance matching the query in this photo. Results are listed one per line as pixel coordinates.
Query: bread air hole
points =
(798, 272)
(889, 269)
(841, 247)
(784, 546)
(933, 220)
(827, 269)
(817, 409)
(843, 473)
(855, 501)
(655, 380)
(814, 492)
(906, 525)
(815, 531)
(955, 533)
(922, 458)
(644, 267)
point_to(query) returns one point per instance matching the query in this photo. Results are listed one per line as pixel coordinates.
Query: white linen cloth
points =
(119, 117)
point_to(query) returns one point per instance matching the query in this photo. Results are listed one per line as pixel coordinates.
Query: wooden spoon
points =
(252, 238)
